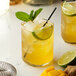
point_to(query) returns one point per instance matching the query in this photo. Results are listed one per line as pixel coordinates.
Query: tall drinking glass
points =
(36, 52)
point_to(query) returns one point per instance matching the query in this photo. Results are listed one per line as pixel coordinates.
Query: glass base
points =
(70, 42)
(42, 65)
(67, 41)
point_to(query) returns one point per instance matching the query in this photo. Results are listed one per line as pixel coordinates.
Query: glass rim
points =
(24, 28)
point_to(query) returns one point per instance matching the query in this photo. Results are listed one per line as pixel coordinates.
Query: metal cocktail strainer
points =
(7, 69)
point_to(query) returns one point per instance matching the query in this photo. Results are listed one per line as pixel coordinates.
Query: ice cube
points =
(29, 26)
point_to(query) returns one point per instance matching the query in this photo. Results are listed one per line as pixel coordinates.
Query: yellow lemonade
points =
(36, 52)
(68, 26)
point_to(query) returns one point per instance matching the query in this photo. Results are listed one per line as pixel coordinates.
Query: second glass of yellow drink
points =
(37, 43)
(68, 22)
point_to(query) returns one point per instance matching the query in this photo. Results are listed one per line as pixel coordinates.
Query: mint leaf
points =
(26, 17)
(31, 15)
(22, 16)
(37, 12)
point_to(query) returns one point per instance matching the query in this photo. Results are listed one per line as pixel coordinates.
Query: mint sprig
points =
(27, 17)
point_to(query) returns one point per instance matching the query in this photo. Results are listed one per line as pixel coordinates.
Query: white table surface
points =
(10, 38)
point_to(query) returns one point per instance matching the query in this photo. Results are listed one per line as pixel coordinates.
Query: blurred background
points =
(33, 2)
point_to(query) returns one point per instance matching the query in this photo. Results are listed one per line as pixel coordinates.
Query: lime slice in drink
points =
(43, 33)
(69, 58)
(68, 9)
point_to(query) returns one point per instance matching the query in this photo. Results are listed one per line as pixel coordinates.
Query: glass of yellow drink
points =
(68, 22)
(35, 51)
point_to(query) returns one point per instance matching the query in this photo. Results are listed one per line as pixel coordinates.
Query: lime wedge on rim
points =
(68, 58)
(68, 9)
(43, 33)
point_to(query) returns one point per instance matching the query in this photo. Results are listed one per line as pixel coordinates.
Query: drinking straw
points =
(50, 16)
